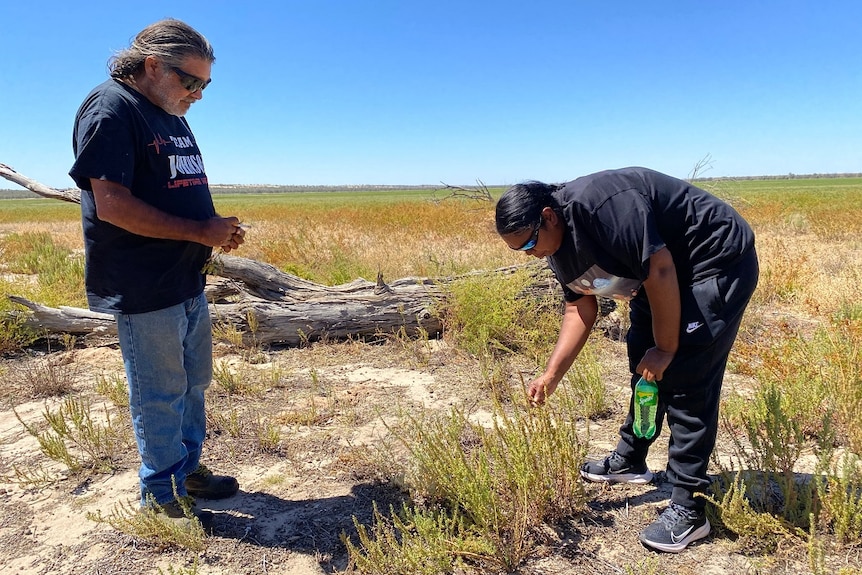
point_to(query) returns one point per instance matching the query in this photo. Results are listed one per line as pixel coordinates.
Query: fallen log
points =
(268, 306)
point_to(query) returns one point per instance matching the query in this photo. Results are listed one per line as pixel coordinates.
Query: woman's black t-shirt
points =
(618, 218)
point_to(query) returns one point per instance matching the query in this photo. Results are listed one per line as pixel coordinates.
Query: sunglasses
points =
(534, 238)
(189, 82)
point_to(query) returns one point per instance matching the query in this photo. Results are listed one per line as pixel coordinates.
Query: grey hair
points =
(169, 40)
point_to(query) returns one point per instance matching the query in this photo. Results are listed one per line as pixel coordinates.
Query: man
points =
(686, 262)
(149, 227)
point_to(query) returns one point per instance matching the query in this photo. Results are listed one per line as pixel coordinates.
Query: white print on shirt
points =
(182, 141)
(186, 165)
(596, 281)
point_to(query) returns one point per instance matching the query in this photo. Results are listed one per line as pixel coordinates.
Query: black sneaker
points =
(675, 529)
(183, 510)
(616, 469)
(202, 483)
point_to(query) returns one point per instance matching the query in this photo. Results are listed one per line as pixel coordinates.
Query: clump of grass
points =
(60, 275)
(150, 526)
(227, 332)
(484, 492)
(268, 435)
(234, 381)
(46, 376)
(315, 406)
(242, 339)
(114, 387)
(225, 420)
(488, 315)
(74, 439)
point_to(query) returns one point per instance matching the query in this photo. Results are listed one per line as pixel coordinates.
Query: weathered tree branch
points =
(269, 306)
(67, 195)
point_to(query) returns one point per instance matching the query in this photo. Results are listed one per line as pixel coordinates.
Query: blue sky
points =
(333, 92)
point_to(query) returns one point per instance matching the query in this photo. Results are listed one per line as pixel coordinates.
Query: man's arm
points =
(116, 205)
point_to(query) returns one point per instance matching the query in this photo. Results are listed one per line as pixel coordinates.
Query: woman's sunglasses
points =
(534, 238)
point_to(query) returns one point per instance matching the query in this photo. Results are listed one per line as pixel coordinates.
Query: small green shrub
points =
(15, 334)
(585, 378)
(114, 387)
(497, 485)
(74, 439)
(841, 496)
(420, 542)
(492, 314)
(760, 532)
(60, 275)
(151, 527)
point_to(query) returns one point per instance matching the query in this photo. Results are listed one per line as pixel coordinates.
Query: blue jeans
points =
(168, 358)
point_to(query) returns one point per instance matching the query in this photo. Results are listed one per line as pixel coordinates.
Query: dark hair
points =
(171, 41)
(520, 207)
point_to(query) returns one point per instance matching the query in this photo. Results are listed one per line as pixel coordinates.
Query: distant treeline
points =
(790, 176)
(279, 189)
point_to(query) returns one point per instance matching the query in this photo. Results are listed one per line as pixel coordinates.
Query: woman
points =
(686, 262)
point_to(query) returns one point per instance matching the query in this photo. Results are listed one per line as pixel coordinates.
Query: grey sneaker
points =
(675, 529)
(616, 469)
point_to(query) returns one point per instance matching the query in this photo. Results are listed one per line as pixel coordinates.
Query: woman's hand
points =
(540, 388)
(653, 364)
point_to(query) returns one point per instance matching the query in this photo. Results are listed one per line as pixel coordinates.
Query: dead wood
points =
(67, 195)
(269, 306)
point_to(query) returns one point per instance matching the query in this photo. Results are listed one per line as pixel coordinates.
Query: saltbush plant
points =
(481, 493)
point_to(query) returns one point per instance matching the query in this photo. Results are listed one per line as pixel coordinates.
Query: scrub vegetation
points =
(465, 477)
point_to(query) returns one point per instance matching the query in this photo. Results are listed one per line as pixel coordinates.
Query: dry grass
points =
(298, 414)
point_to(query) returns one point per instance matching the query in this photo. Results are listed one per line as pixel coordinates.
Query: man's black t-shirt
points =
(120, 136)
(618, 218)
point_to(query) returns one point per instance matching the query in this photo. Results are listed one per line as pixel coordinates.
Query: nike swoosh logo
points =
(693, 326)
(682, 536)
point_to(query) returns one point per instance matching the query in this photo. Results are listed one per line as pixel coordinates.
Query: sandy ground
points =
(333, 403)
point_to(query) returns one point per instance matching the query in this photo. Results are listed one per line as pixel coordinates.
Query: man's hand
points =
(237, 238)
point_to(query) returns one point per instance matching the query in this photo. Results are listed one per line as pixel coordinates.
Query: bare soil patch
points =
(332, 403)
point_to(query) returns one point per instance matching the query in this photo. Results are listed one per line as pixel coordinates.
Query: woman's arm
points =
(578, 320)
(662, 290)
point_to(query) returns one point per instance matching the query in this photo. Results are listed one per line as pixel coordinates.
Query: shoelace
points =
(202, 470)
(617, 462)
(674, 514)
